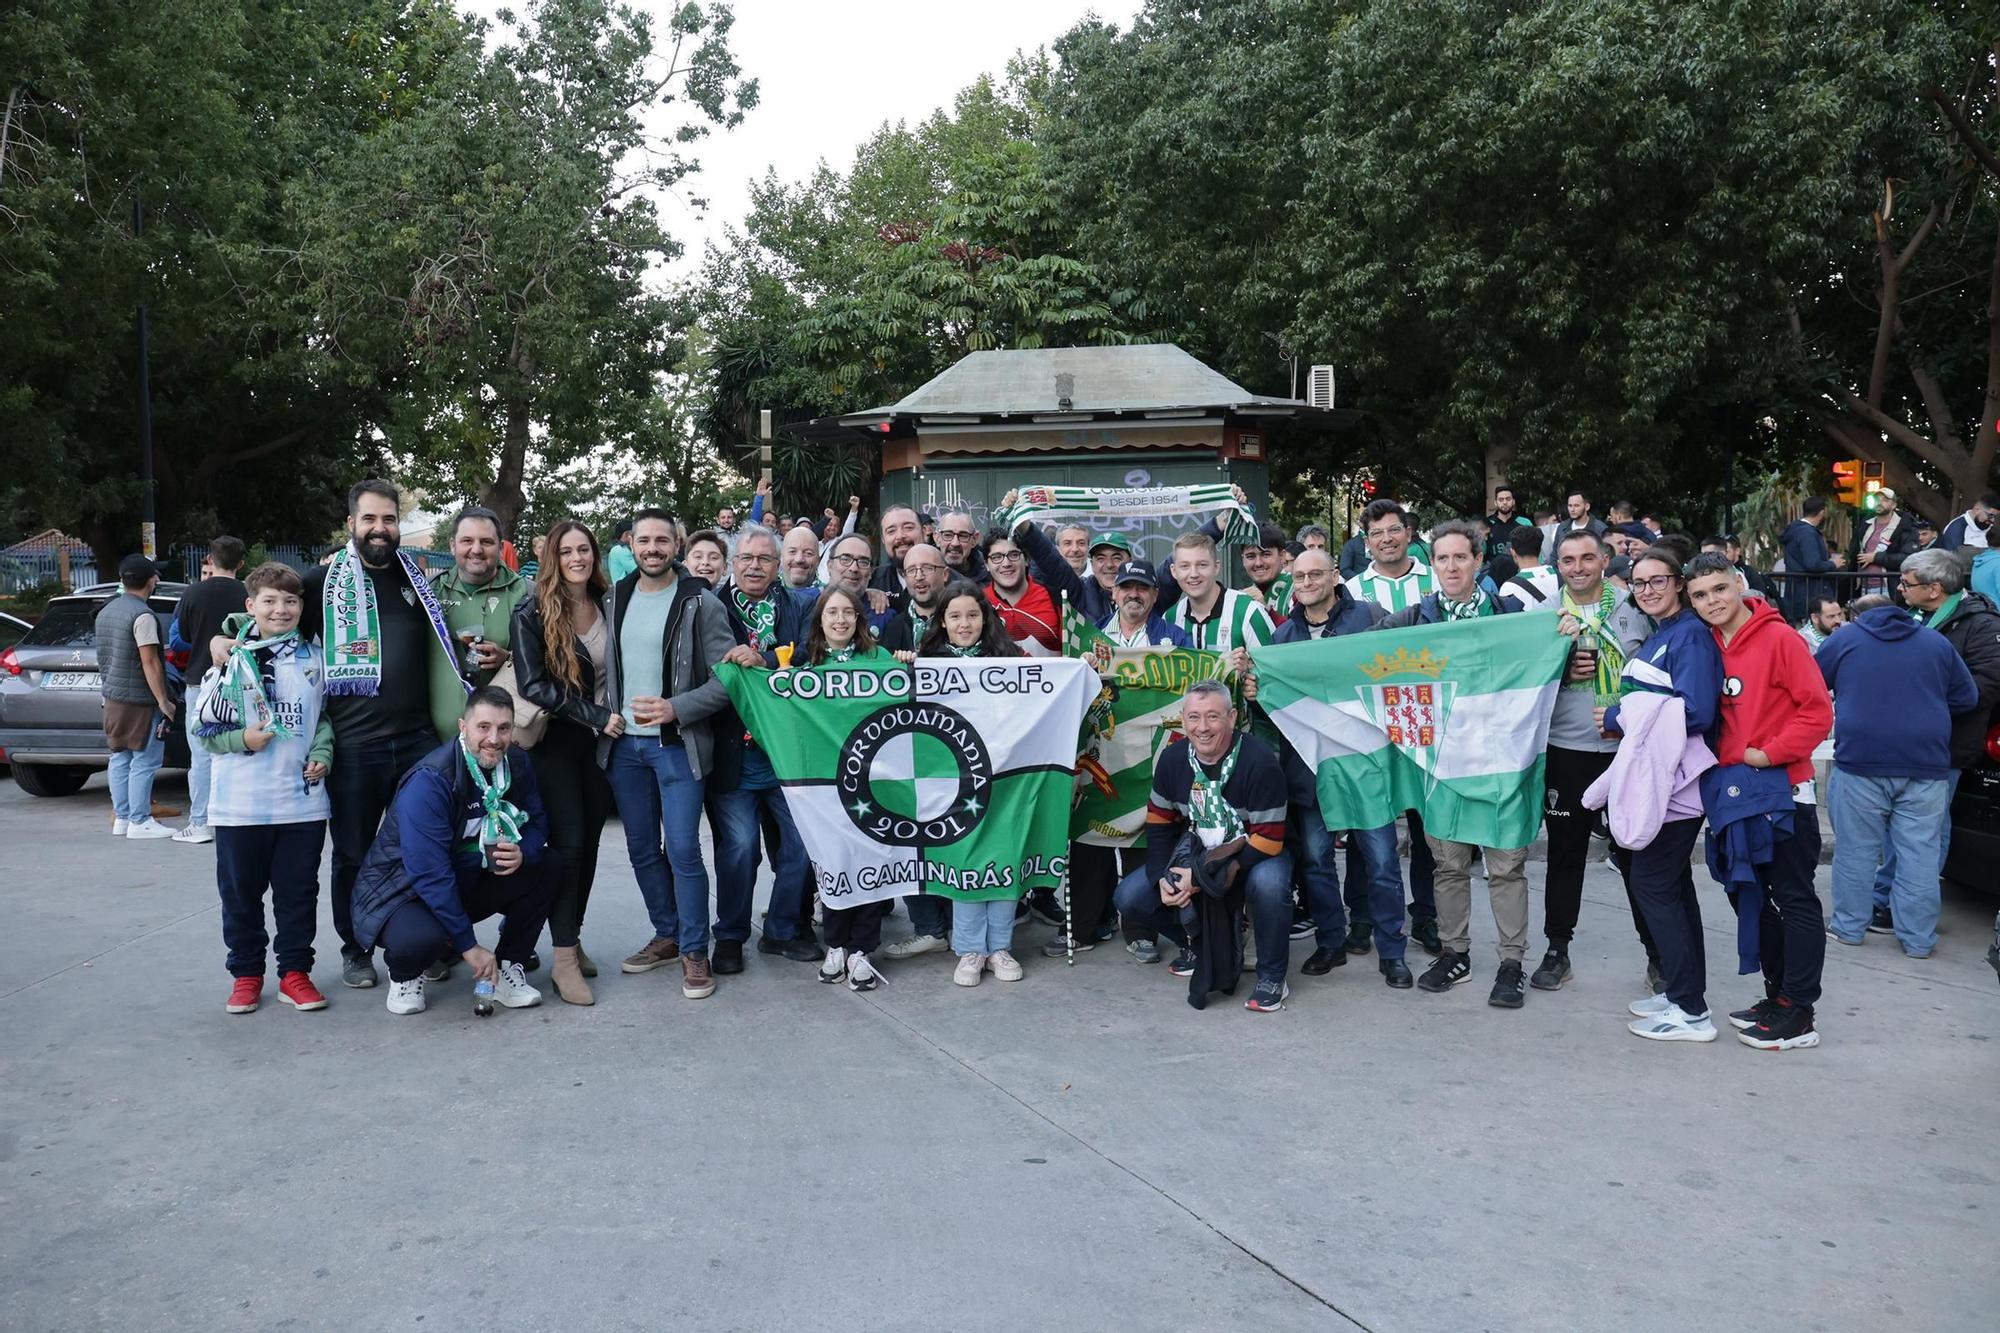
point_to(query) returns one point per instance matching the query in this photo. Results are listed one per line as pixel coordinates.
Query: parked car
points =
(51, 705)
(12, 627)
(1975, 821)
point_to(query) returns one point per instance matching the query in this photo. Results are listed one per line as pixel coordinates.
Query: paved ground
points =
(1080, 1150)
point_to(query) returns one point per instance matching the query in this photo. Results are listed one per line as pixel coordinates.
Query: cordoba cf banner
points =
(947, 776)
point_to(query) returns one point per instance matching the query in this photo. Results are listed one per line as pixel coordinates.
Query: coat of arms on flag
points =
(1412, 715)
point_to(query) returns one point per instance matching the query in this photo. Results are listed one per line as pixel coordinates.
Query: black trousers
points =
(1093, 876)
(413, 938)
(857, 928)
(362, 784)
(1565, 776)
(283, 858)
(1791, 930)
(1661, 882)
(577, 796)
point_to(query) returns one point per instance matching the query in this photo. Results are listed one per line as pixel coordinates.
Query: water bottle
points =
(482, 998)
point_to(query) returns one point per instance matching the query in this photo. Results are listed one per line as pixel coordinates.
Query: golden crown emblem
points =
(1403, 664)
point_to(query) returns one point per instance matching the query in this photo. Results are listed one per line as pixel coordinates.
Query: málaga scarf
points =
(352, 624)
(241, 699)
(500, 820)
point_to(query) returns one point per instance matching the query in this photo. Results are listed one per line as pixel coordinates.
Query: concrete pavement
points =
(1080, 1150)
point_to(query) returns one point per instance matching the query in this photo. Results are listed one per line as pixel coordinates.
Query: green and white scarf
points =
(760, 617)
(1945, 611)
(957, 651)
(1278, 597)
(1610, 653)
(351, 626)
(1208, 811)
(1472, 610)
(242, 683)
(1052, 504)
(501, 819)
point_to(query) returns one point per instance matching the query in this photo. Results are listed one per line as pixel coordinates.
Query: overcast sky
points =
(830, 71)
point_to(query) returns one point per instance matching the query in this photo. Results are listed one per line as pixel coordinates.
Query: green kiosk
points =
(1146, 415)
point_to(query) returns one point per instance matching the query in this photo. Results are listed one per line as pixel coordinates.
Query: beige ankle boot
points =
(569, 979)
(583, 961)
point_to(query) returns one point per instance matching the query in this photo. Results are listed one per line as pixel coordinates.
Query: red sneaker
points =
(297, 990)
(243, 995)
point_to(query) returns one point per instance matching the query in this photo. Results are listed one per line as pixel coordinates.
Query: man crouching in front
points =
(463, 840)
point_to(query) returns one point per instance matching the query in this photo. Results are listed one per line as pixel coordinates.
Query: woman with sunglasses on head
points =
(1678, 659)
(982, 933)
(562, 641)
(839, 635)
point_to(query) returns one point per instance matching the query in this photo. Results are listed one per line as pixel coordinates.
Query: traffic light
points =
(1871, 485)
(1847, 481)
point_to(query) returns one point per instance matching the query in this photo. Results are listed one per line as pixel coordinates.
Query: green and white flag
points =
(1057, 503)
(1447, 720)
(948, 776)
(1137, 711)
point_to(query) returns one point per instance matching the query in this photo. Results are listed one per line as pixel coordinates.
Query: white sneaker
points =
(1650, 1007)
(861, 974)
(406, 997)
(1673, 1024)
(118, 827)
(148, 828)
(1006, 967)
(513, 990)
(970, 965)
(194, 833)
(913, 946)
(834, 969)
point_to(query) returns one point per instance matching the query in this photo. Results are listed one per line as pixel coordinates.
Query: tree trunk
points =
(1499, 459)
(503, 495)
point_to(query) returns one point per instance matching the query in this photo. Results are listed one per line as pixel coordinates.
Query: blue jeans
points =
(1375, 887)
(929, 915)
(982, 928)
(1905, 816)
(1267, 897)
(131, 775)
(198, 760)
(659, 803)
(1886, 876)
(736, 855)
(1319, 866)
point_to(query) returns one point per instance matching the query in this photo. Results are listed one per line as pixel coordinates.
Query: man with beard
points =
(1264, 564)
(1803, 544)
(1973, 528)
(958, 543)
(387, 647)
(901, 529)
(1503, 522)
(1826, 616)
(799, 557)
(1580, 520)
(1879, 546)
(1073, 542)
(478, 594)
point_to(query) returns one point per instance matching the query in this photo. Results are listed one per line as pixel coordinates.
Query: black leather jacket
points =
(543, 690)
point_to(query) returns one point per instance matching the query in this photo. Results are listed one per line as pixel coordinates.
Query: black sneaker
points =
(1787, 1027)
(1360, 937)
(532, 963)
(726, 958)
(357, 970)
(1449, 970)
(1302, 925)
(1881, 922)
(1045, 908)
(1425, 932)
(802, 949)
(1553, 972)
(1324, 961)
(1060, 947)
(1183, 964)
(1509, 990)
(1268, 998)
(765, 944)
(1396, 974)
(1106, 929)
(1744, 1019)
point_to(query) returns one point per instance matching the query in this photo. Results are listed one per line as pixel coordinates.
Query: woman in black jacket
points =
(562, 640)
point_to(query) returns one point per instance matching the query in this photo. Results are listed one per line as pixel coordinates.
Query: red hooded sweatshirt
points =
(1773, 696)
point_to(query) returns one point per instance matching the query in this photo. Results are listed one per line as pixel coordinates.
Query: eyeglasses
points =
(1003, 557)
(743, 559)
(1310, 575)
(1910, 584)
(923, 569)
(851, 561)
(1658, 583)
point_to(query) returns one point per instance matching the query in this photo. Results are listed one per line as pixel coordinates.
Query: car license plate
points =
(69, 680)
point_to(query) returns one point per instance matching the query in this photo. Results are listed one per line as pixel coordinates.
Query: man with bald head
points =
(925, 573)
(799, 558)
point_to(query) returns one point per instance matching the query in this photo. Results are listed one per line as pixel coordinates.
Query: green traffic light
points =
(1869, 502)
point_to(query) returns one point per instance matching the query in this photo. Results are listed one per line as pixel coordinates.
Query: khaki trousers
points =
(1505, 878)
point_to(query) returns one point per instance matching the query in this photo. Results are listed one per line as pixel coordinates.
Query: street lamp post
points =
(147, 528)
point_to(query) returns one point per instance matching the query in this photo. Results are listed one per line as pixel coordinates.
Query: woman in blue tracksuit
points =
(1679, 658)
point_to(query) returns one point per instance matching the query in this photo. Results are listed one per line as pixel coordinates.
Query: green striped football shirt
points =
(1238, 622)
(1392, 595)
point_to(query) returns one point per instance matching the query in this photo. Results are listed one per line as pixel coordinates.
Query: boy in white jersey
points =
(259, 713)
(1215, 618)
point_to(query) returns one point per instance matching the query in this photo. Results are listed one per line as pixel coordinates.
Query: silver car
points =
(51, 704)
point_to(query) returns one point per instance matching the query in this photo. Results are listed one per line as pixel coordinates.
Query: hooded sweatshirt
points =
(1773, 697)
(1899, 685)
